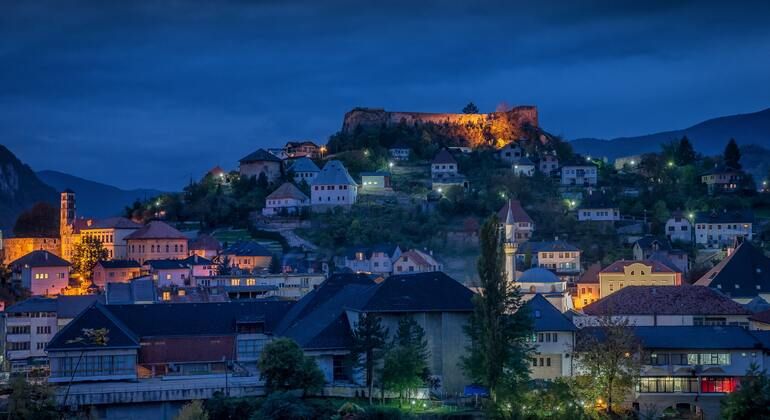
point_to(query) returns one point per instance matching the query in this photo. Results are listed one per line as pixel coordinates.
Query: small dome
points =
(538, 275)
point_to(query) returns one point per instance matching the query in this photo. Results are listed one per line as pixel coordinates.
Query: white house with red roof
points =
(416, 261)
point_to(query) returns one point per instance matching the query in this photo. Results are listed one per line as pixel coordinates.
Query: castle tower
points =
(67, 210)
(509, 244)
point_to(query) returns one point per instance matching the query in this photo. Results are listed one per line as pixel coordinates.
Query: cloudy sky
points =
(148, 93)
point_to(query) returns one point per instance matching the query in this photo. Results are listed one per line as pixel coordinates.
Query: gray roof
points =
(167, 264)
(745, 273)
(738, 216)
(304, 164)
(261, 155)
(333, 173)
(287, 190)
(141, 289)
(546, 317)
(247, 249)
(64, 306)
(33, 304)
(696, 338)
(119, 264)
(40, 258)
(113, 223)
(538, 275)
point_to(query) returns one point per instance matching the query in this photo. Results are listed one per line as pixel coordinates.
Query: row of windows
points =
(664, 359)
(687, 385)
(719, 227)
(683, 228)
(339, 198)
(544, 337)
(443, 167)
(18, 345)
(279, 202)
(159, 248)
(102, 238)
(547, 361)
(43, 276)
(93, 365)
(330, 187)
(19, 329)
(251, 348)
(559, 254)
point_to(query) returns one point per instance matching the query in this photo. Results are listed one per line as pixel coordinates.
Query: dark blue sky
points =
(148, 94)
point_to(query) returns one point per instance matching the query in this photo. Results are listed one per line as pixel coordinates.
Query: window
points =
(19, 329)
(340, 368)
(251, 348)
(16, 346)
(44, 329)
(167, 295)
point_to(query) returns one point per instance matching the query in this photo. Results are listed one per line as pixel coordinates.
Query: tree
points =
(284, 367)
(275, 265)
(224, 268)
(29, 401)
(471, 108)
(192, 411)
(42, 220)
(86, 254)
(283, 406)
(368, 344)
(609, 354)
(684, 153)
(732, 155)
(406, 361)
(498, 356)
(752, 399)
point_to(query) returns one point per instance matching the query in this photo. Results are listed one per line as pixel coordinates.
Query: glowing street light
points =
(390, 164)
(670, 164)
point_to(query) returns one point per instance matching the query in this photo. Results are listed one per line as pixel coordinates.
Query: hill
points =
(95, 199)
(20, 188)
(708, 137)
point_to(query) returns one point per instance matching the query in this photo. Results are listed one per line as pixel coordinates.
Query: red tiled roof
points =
(205, 242)
(591, 275)
(519, 215)
(657, 266)
(666, 300)
(156, 230)
(444, 156)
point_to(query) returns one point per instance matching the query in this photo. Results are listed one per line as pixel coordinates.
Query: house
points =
(649, 247)
(285, 200)
(444, 172)
(115, 271)
(743, 275)
(168, 272)
(587, 287)
(581, 175)
(205, 246)
(719, 229)
(30, 324)
(510, 152)
(141, 290)
(668, 305)
(523, 167)
(399, 152)
(291, 286)
(261, 162)
(155, 241)
(416, 261)
(548, 163)
(378, 259)
(693, 368)
(304, 169)
(200, 267)
(333, 187)
(541, 282)
(112, 233)
(553, 339)
(379, 180)
(598, 207)
(722, 179)
(302, 149)
(515, 222)
(248, 256)
(678, 228)
(624, 273)
(558, 256)
(41, 272)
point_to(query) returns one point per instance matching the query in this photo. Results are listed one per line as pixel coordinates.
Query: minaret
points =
(509, 244)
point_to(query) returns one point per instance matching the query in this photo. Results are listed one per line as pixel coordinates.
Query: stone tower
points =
(509, 244)
(67, 210)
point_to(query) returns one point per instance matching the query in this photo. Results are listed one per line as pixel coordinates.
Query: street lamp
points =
(390, 164)
(670, 164)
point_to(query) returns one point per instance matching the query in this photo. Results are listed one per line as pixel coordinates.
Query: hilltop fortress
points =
(368, 117)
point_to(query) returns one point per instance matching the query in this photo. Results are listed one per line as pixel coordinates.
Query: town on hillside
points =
(415, 264)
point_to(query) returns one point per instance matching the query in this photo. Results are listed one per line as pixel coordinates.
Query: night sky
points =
(151, 93)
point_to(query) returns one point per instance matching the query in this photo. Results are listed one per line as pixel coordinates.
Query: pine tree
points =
(471, 108)
(224, 268)
(406, 361)
(498, 356)
(685, 154)
(368, 345)
(275, 265)
(732, 155)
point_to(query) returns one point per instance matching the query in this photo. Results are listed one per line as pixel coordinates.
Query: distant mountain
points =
(708, 137)
(95, 199)
(20, 188)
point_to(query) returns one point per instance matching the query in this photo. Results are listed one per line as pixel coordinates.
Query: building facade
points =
(623, 273)
(156, 241)
(333, 187)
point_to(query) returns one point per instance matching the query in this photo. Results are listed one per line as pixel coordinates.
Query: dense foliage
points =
(752, 399)
(28, 401)
(369, 340)
(405, 365)
(284, 367)
(85, 255)
(42, 220)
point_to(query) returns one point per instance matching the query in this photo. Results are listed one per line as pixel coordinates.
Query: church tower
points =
(66, 222)
(509, 244)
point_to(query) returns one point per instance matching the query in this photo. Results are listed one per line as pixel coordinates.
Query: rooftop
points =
(657, 266)
(745, 273)
(112, 223)
(111, 264)
(156, 230)
(247, 249)
(518, 213)
(443, 156)
(547, 246)
(665, 300)
(40, 258)
(261, 155)
(738, 216)
(304, 164)
(205, 242)
(287, 190)
(333, 173)
(546, 317)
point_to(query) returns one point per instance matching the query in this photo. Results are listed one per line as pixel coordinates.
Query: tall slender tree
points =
(685, 154)
(732, 155)
(498, 356)
(369, 340)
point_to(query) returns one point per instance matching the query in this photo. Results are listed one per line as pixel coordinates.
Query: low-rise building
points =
(510, 152)
(399, 152)
(416, 261)
(598, 207)
(375, 180)
(16, 247)
(553, 339)
(168, 272)
(304, 169)
(523, 166)
(743, 275)
(679, 229)
(515, 222)
(263, 285)
(155, 241)
(649, 247)
(587, 287)
(378, 259)
(111, 233)
(200, 267)
(116, 271)
(333, 187)
(722, 179)
(621, 274)
(302, 149)
(445, 173)
(719, 229)
(541, 282)
(558, 256)
(205, 246)
(261, 162)
(248, 256)
(580, 175)
(41, 272)
(548, 163)
(287, 200)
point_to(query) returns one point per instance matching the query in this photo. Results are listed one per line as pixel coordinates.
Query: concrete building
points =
(580, 175)
(541, 282)
(548, 164)
(168, 272)
(561, 258)
(587, 287)
(649, 247)
(553, 339)
(415, 261)
(445, 174)
(510, 152)
(523, 167)
(41, 272)
(375, 180)
(156, 241)
(302, 149)
(722, 179)
(597, 206)
(399, 152)
(624, 273)
(261, 162)
(720, 229)
(248, 256)
(378, 259)
(264, 285)
(333, 187)
(112, 233)
(304, 169)
(205, 246)
(116, 271)
(287, 200)
(515, 222)
(679, 229)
